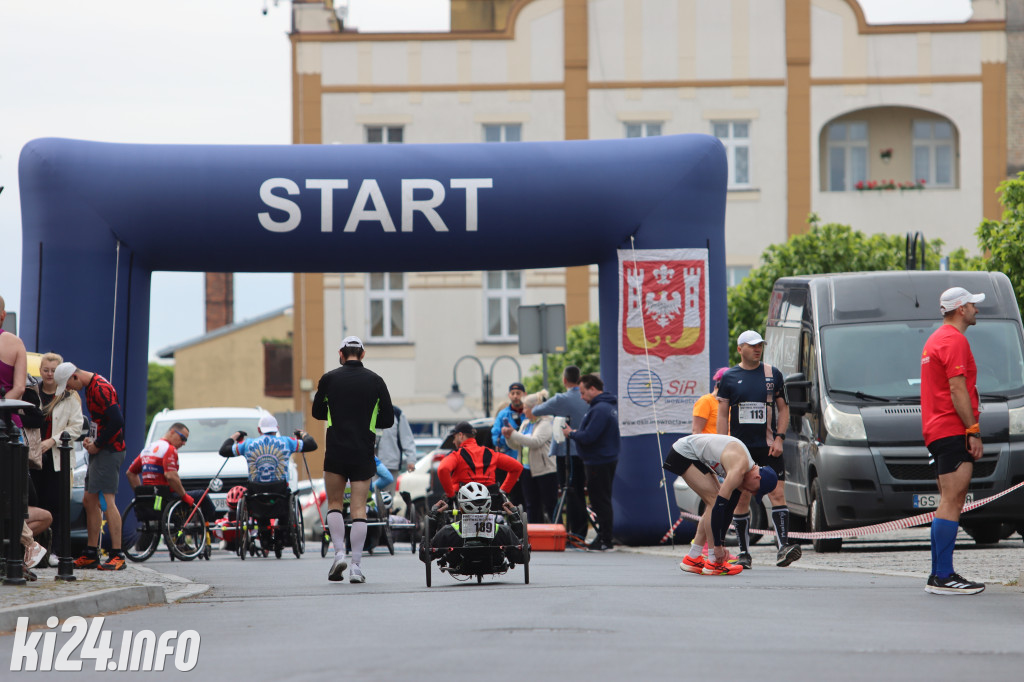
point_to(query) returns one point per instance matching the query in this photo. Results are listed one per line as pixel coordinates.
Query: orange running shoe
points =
(730, 557)
(86, 562)
(723, 568)
(692, 565)
(115, 563)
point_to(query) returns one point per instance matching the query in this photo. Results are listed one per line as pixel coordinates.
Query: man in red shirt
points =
(470, 461)
(949, 416)
(158, 465)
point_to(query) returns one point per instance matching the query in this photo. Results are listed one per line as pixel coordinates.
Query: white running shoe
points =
(34, 555)
(356, 575)
(337, 572)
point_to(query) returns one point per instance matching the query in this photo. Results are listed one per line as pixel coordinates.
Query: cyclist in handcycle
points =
(476, 524)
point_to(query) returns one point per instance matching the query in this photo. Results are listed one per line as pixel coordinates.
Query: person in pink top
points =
(13, 363)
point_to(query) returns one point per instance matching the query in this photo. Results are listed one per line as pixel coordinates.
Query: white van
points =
(199, 459)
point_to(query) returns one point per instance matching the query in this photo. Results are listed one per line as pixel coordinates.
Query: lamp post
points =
(456, 398)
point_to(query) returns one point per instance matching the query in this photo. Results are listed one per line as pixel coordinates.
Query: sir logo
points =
(664, 308)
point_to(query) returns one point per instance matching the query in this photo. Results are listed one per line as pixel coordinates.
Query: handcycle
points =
(269, 515)
(156, 513)
(480, 552)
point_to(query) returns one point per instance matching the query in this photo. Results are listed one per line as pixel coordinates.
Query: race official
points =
(752, 406)
(355, 403)
(949, 418)
(700, 459)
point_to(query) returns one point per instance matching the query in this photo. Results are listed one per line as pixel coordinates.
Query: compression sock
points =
(357, 536)
(943, 540)
(780, 519)
(935, 559)
(742, 522)
(696, 550)
(336, 525)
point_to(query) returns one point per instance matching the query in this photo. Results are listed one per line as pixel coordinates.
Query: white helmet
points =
(474, 498)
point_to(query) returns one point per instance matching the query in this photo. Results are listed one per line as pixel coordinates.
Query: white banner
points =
(663, 348)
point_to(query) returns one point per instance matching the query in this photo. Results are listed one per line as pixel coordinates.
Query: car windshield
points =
(883, 360)
(207, 435)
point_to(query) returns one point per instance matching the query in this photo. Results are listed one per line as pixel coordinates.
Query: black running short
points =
(677, 464)
(353, 468)
(763, 459)
(949, 453)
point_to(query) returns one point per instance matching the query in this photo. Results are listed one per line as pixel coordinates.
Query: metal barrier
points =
(13, 490)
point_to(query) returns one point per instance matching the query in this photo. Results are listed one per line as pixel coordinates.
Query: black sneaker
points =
(954, 584)
(788, 555)
(599, 545)
(744, 560)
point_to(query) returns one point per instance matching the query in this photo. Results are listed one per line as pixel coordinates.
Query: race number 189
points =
(143, 650)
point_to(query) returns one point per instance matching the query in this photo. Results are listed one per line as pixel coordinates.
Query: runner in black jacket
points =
(355, 403)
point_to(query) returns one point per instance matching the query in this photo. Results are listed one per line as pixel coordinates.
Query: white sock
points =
(357, 537)
(336, 525)
(695, 550)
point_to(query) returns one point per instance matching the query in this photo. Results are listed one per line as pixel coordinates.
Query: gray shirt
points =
(707, 448)
(568, 404)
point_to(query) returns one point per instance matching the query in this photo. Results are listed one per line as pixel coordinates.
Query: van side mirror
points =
(798, 389)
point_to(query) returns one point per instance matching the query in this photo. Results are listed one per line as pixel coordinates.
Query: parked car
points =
(427, 445)
(199, 460)
(309, 498)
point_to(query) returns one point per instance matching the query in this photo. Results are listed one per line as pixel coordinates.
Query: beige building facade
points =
(814, 107)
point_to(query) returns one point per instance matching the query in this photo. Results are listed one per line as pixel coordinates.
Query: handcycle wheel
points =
(242, 529)
(425, 545)
(325, 543)
(185, 536)
(297, 528)
(411, 508)
(526, 556)
(134, 533)
(384, 515)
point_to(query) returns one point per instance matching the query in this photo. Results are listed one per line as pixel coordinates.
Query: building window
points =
(847, 155)
(649, 129)
(503, 132)
(933, 153)
(277, 369)
(503, 294)
(384, 134)
(734, 274)
(735, 135)
(386, 294)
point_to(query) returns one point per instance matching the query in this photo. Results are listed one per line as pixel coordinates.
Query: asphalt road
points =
(608, 616)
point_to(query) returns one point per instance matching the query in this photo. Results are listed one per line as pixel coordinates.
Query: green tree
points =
(582, 348)
(160, 393)
(1002, 240)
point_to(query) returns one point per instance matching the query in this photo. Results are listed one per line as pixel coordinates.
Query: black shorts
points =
(677, 464)
(353, 468)
(763, 459)
(949, 453)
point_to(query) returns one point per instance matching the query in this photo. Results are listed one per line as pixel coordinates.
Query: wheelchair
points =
(157, 513)
(378, 526)
(268, 520)
(479, 555)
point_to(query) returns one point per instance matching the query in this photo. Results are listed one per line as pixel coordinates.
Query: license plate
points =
(931, 500)
(220, 503)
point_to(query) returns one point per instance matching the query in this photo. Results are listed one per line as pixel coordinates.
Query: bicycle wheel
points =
(138, 540)
(297, 528)
(242, 529)
(185, 536)
(384, 515)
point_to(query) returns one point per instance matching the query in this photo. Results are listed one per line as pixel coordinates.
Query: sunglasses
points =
(182, 436)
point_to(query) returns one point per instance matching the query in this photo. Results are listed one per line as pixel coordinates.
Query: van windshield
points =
(207, 435)
(884, 359)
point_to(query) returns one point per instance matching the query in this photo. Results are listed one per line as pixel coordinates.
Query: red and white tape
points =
(878, 528)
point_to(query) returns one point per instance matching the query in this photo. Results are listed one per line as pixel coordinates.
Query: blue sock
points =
(935, 558)
(943, 540)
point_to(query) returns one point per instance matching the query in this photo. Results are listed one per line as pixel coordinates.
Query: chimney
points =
(220, 300)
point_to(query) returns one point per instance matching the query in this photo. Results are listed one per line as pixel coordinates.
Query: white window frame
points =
(386, 296)
(505, 294)
(645, 128)
(734, 274)
(932, 144)
(732, 142)
(847, 145)
(387, 133)
(503, 129)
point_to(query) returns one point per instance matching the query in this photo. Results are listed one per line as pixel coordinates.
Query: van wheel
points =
(818, 525)
(985, 533)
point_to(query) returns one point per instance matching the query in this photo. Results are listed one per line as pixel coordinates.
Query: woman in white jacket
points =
(539, 479)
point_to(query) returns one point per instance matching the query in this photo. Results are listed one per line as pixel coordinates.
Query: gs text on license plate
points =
(931, 500)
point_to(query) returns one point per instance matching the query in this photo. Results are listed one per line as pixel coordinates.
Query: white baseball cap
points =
(268, 424)
(351, 342)
(952, 299)
(61, 375)
(749, 337)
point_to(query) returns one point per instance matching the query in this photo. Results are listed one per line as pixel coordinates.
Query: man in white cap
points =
(949, 418)
(355, 403)
(753, 407)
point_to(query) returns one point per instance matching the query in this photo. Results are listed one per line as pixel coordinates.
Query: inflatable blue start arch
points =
(99, 218)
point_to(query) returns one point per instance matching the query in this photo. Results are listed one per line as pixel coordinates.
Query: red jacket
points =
(474, 462)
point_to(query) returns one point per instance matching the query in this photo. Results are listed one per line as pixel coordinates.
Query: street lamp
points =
(456, 398)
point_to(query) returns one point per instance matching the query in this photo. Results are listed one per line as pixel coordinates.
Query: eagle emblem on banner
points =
(664, 312)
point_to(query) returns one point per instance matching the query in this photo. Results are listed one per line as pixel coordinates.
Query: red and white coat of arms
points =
(664, 307)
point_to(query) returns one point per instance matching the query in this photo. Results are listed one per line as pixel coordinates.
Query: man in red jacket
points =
(470, 461)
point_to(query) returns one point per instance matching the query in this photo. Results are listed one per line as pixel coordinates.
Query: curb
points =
(184, 590)
(90, 604)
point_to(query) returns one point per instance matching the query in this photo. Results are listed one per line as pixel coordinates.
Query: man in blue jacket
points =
(597, 441)
(571, 476)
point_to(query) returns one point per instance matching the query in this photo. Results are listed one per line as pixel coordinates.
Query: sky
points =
(190, 72)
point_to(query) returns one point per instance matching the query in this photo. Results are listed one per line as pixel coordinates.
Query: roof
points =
(169, 351)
